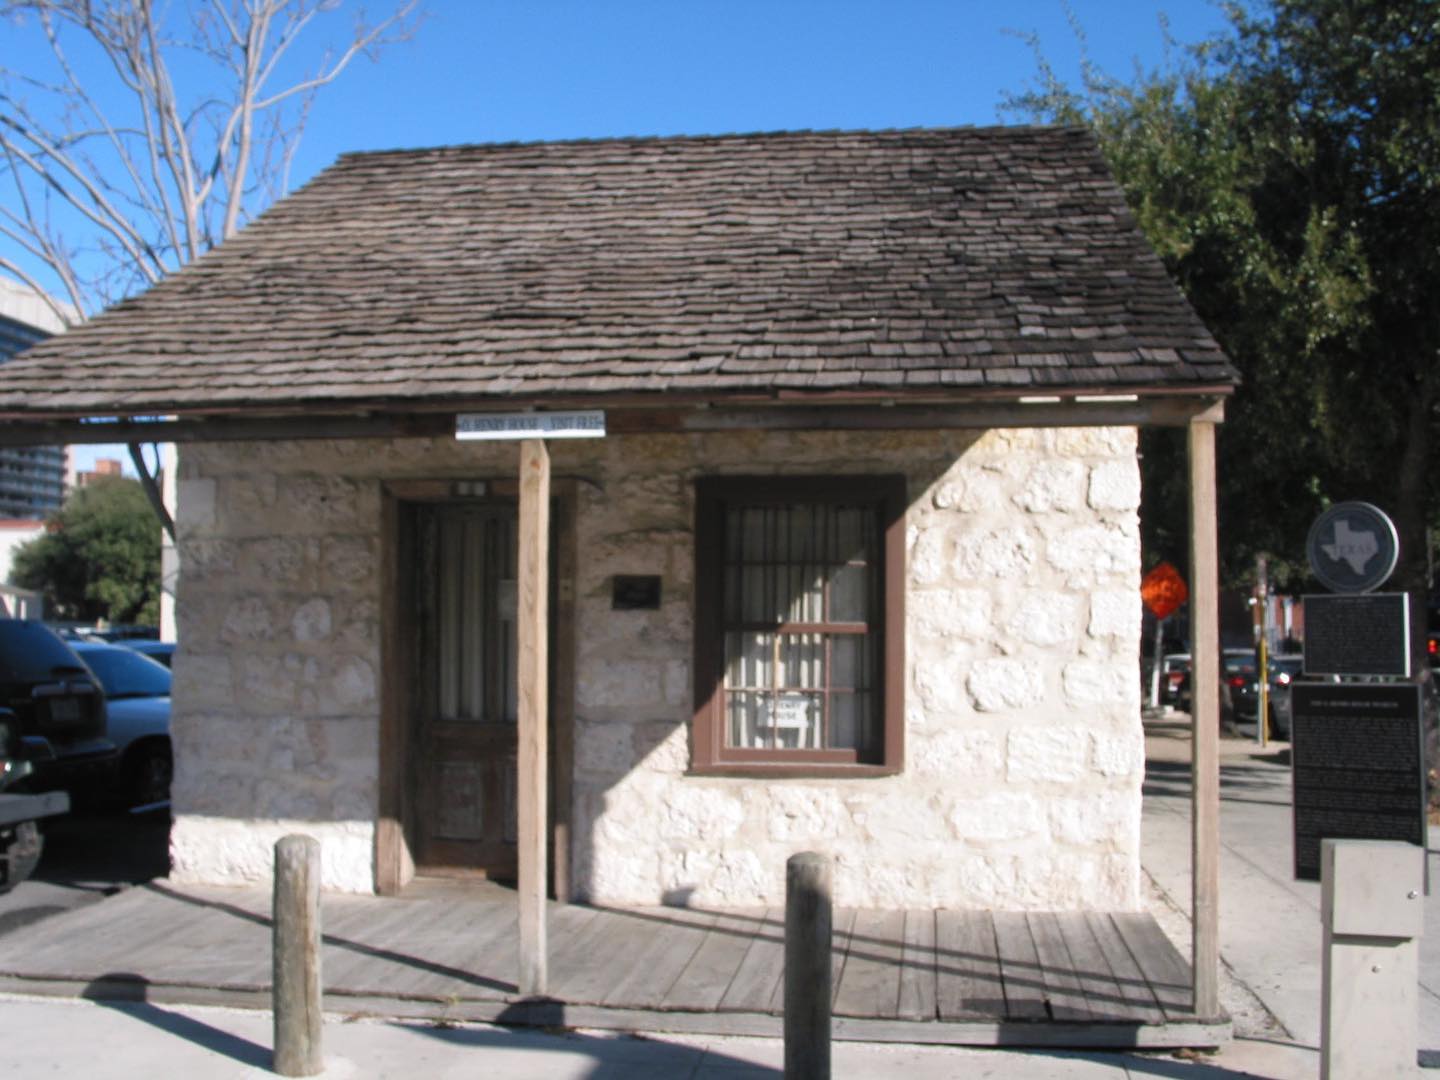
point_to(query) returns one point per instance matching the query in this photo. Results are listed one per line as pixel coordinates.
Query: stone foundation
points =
(1024, 750)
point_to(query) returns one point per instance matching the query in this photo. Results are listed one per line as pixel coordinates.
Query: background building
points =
(32, 478)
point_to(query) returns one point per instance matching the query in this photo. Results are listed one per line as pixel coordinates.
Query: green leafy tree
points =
(1288, 172)
(99, 557)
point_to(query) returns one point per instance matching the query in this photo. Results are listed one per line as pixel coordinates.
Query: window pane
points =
(741, 728)
(749, 661)
(849, 594)
(802, 661)
(850, 662)
(849, 726)
(854, 534)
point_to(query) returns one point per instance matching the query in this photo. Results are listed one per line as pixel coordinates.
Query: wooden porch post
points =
(1205, 719)
(532, 617)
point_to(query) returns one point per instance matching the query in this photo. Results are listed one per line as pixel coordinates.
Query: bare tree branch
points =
(145, 178)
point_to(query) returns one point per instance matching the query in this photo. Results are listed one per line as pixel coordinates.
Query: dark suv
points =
(58, 705)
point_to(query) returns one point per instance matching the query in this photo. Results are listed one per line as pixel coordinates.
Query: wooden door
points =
(463, 725)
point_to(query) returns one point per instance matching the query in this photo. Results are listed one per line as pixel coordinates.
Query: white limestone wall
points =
(1023, 745)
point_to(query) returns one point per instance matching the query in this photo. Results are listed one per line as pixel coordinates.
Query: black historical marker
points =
(1365, 634)
(1357, 766)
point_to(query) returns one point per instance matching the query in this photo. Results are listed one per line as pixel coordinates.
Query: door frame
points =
(396, 812)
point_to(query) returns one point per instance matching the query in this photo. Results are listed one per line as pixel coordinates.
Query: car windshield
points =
(1286, 666)
(125, 673)
(31, 652)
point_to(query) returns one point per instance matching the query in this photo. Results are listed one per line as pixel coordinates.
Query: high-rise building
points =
(32, 478)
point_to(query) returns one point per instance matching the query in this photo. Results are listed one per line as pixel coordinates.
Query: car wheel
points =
(148, 775)
(22, 854)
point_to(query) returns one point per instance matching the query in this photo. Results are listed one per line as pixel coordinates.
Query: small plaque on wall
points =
(635, 592)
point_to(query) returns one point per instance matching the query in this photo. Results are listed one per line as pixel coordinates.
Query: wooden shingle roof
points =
(954, 262)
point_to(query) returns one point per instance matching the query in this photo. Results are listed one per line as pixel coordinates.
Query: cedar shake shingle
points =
(925, 261)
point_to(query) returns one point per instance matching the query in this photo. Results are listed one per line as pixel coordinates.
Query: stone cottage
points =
(853, 565)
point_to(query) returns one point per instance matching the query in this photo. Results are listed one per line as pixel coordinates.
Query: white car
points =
(137, 690)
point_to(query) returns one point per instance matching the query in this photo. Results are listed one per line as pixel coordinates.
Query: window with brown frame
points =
(799, 624)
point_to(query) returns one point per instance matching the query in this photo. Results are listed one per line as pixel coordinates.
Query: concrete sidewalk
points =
(101, 1041)
(1270, 932)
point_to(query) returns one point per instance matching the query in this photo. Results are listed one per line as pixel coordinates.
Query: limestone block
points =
(1045, 618)
(356, 624)
(1100, 817)
(938, 676)
(248, 620)
(1055, 485)
(201, 558)
(791, 814)
(1048, 754)
(194, 506)
(312, 621)
(1095, 441)
(928, 555)
(328, 501)
(678, 687)
(950, 613)
(691, 812)
(1005, 442)
(603, 749)
(997, 817)
(1119, 755)
(263, 684)
(969, 489)
(244, 502)
(724, 877)
(981, 880)
(662, 747)
(957, 754)
(1089, 552)
(201, 681)
(1002, 683)
(1114, 613)
(900, 820)
(274, 560)
(1115, 485)
(878, 880)
(998, 553)
(197, 789)
(1088, 682)
(229, 851)
(352, 687)
(350, 560)
(621, 683)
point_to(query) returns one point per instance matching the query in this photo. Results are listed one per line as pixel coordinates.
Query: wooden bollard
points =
(807, 966)
(297, 1006)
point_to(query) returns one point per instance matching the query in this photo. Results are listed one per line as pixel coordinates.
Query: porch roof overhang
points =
(633, 414)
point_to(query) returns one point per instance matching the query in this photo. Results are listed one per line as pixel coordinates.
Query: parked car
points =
(138, 691)
(160, 651)
(1239, 686)
(59, 706)
(1240, 670)
(1173, 669)
(1284, 669)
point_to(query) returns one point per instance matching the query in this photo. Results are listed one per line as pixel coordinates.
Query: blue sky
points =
(482, 71)
(487, 70)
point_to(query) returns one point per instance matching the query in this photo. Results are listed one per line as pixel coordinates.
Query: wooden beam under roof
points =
(1097, 411)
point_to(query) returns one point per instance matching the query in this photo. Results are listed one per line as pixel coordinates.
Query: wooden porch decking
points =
(443, 952)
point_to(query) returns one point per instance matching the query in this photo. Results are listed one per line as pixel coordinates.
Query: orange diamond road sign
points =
(1163, 590)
